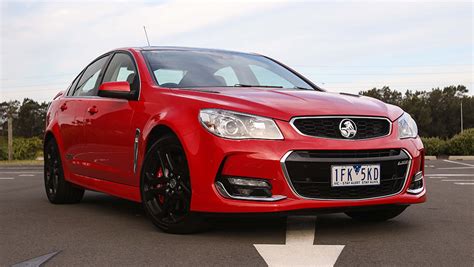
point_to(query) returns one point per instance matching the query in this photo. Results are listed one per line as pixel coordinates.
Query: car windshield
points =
(192, 69)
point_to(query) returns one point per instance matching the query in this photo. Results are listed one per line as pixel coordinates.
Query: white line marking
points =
(460, 163)
(457, 180)
(299, 249)
(18, 172)
(456, 168)
(450, 175)
(23, 175)
(464, 183)
(6, 178)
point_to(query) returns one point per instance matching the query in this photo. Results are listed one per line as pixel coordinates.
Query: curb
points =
(430, 157)
(461, 157)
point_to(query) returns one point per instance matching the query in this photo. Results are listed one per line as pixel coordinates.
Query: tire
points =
(58, 190)
(165, 188)
(377, 215)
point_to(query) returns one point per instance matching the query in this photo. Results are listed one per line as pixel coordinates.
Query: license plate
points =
(355, 175)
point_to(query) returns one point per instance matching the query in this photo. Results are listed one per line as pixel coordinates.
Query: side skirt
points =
(115, 189)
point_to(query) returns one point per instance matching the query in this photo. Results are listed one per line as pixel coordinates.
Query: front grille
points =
(309, 173)
(328, 127)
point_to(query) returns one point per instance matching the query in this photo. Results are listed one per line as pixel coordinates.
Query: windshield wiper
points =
(250, 85)
(303, 88)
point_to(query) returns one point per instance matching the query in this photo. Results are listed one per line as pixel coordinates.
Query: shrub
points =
(26, 148)
(462, 144)
(3, 154)
(434, 146)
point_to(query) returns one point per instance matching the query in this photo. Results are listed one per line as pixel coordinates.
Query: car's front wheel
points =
(166, 188)
(377, 215)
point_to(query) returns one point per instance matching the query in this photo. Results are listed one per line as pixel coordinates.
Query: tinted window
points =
(218, 69)
(228, 74)
(168, 77)
(122, 69)
(265, 76)
(88, 83)
(73, 85)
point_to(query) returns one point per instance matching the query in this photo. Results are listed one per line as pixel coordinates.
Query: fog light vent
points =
(416, 185)
(246, 189)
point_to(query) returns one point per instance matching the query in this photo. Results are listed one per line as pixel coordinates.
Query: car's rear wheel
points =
(377, 215)
(58, 190)
(166, 188)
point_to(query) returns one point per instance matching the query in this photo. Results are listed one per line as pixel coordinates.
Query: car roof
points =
(182, 48)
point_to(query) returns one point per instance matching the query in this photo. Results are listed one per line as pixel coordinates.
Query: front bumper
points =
(212, 157)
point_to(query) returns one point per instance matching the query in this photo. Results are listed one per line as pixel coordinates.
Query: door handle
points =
(93, 110)
(63, 107)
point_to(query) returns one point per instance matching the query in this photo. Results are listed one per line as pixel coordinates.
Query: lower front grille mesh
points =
(309, 173)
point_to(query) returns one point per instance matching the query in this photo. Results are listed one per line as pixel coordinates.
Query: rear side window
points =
(122, 69)
(73, 85)
(88, 83)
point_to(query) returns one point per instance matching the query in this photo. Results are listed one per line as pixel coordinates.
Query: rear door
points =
(108, 132)
(70, 129)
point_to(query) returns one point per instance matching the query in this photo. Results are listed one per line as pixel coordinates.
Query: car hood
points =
(284, 104)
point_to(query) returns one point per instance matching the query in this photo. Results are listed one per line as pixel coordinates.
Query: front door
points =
(108, 129)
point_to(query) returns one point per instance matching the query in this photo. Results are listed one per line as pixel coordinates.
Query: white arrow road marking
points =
(299, 249)
(36, 262)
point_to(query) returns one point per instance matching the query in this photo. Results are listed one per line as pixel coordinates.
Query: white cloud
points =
(45, 45)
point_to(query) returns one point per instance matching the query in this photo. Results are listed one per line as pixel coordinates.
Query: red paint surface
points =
(97, 148)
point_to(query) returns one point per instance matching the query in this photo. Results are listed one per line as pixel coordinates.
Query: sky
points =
(343, 46)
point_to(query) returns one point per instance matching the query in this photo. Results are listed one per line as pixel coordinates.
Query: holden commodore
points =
(190, 132)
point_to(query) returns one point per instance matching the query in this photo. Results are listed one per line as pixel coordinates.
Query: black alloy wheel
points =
(58, 190)
(166, 188)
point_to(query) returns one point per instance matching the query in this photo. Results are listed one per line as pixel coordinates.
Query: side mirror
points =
(116, 90)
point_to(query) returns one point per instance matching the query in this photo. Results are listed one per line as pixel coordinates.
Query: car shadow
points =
(246, 226)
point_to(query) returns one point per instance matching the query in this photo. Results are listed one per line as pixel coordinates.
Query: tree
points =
(8, 109)
(384, 94)
(31, 118)
(416, 105)
(437, 112)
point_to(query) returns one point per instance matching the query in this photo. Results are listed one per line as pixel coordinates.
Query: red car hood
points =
(284, 104)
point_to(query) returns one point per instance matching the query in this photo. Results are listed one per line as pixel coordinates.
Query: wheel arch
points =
(156, 133)
(47, 137)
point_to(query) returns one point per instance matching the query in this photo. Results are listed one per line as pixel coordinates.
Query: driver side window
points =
(122, 69)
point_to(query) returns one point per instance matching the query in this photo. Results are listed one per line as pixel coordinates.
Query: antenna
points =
(146, 35)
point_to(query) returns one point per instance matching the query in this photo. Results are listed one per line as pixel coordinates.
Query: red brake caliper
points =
(159, 174)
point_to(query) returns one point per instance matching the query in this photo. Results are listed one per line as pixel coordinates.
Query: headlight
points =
(234, 125)
(407, 127)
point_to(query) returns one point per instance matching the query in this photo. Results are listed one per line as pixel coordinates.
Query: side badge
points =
(135, 149)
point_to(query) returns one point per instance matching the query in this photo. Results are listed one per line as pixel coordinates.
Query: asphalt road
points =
(103, 230)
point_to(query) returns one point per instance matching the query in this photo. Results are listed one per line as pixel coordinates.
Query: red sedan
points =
(191, 132)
